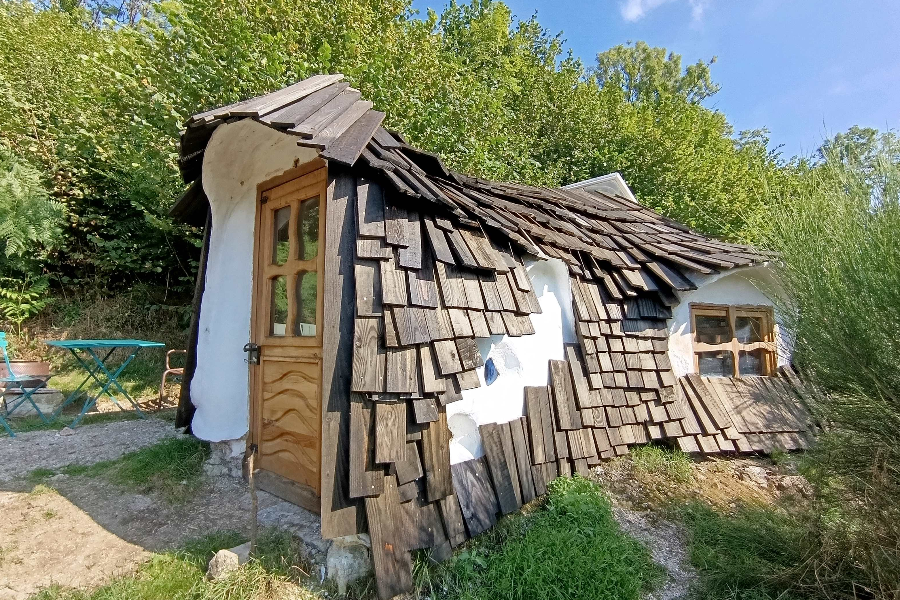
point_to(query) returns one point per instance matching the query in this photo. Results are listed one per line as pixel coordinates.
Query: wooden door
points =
(286, 395)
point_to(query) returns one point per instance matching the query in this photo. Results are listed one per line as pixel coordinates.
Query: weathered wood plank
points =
(431, 382)
(523, 460)
(459, 321)
(366, 478)
(368, 288)
(411, 256)
(375, 248)
(341, 515)
(507, 492)
(370, 208)
(477, 500)
(393, 562)
(567, 414)
(447, 357)
(412, 328)
(395, 219)
(410, 468)
(438, 242)
(425, 410)
(402, 367)
(469, 355)
(461, 250)
(423, 289)
(451, 284)
(453, 520)
(436, 458)
(368, 356)
(495, 323)
(393, 283)
(534, 396)
(479, 324)
(390, 432)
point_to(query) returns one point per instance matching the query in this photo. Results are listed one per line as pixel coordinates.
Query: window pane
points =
(279, 310)
(749, 329)
(716, 364)
(751, 363)
(308, 229)
(306, 294)
(712, 329)
(281, 236)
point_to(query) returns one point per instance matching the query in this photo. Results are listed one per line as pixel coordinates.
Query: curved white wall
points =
(742, 286)
(520, 361)
(238, 157)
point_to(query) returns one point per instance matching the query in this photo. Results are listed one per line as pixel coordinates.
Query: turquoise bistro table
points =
(92, 356)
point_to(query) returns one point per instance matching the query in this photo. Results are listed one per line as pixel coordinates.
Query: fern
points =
(29, 218)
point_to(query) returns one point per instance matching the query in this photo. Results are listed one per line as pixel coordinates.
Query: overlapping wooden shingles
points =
(747, 414)
(322, 111)
(424, 286)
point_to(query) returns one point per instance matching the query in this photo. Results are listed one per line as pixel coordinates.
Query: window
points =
(733, 341)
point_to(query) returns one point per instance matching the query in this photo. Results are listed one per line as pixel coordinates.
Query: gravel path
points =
(667, 544)
(85, 445)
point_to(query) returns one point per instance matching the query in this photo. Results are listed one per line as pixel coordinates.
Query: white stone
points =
(223, 563)
(348, 560)
(757, 475)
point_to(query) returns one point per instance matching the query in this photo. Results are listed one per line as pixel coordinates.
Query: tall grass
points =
(570, 548)
(838, 241)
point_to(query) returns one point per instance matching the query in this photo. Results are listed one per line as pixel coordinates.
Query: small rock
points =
(66, 431)
(348, 560)
(242, 551)
(756, 475)
(58, 477)
(223, 563)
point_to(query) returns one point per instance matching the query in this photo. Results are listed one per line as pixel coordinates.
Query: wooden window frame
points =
(733, 311)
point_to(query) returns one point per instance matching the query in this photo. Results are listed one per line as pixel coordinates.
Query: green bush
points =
(569, 548)
(839, 271)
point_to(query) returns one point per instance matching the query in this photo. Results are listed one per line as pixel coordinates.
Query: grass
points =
(271, 574)
(571, 547)
(172, 468)
(656, 460)
(756, 553)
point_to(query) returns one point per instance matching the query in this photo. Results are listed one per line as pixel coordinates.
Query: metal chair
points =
(170, 370)
(13, 381)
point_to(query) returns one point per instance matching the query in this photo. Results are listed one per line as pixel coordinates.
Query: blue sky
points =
(805, 69)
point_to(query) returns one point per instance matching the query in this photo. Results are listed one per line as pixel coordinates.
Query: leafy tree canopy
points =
(96, 94)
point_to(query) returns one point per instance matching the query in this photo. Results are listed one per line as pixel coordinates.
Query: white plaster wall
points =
(238, 157)
(520, 361)
(750, 286)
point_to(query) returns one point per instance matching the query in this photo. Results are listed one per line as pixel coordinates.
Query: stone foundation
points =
(225, 458)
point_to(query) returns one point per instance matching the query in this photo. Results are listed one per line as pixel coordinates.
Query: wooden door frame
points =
(289, 490)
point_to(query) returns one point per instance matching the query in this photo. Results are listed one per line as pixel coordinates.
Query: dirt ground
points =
(80, 531)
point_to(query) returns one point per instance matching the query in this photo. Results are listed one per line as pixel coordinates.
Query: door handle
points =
(252, 351)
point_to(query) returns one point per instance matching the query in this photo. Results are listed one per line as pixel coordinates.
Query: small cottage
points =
(413, 352)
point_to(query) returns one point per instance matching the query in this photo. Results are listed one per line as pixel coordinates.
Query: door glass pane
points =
(306, 294)
(749, 329)
(716, 364)
(279, 309)
(712, 329)
(751, 363)
(308, 229)
(281, 238)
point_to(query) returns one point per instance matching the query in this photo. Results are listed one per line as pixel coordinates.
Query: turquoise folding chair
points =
(13, 381)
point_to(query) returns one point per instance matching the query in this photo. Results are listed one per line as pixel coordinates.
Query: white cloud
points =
(635, 10)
